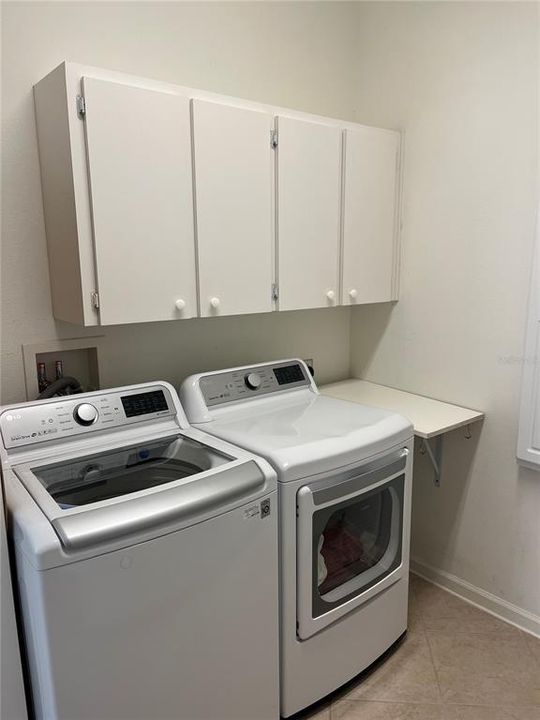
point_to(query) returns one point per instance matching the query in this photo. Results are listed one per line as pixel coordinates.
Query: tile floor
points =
(456, 663)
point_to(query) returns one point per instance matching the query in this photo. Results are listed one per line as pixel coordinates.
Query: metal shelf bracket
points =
(435, 455)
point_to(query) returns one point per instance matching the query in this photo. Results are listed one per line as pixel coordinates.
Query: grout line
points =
(441, 701)
(420, 616)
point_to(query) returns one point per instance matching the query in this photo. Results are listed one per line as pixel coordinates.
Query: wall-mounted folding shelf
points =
(431, 418)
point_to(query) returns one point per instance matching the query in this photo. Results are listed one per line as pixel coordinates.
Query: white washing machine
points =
(344, 484)
(146, 556)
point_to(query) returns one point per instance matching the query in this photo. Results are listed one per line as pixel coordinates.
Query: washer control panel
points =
(252, 382)
(79, 414)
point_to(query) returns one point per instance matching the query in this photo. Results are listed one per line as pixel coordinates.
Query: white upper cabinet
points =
(139, 167)
(309, 187)
(162, 202)
(234, 186)
(370, 215)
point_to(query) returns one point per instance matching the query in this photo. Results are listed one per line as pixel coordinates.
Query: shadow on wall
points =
(437, 511)
(175, 349)
(372, 322)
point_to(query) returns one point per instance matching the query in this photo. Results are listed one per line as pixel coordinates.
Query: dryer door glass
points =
(126, 470)
(356, 543)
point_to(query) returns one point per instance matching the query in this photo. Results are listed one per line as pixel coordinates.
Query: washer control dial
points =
(85, 414)
(253, 381)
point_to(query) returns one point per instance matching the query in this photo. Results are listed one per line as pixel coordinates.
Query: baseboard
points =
(523, 619)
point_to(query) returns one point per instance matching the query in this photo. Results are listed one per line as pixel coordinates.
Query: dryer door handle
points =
(355, 481)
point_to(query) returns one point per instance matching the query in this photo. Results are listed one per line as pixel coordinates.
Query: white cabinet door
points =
(233, 190)
(139, 162)
(309, 185)
(369, 215)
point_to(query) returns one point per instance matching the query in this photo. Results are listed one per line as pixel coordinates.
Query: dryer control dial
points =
(253, 381)
(85, 414)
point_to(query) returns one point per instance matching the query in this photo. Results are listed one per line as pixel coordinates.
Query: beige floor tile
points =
(480, 655)
(443, 612)
(533, 643)
(472, 712)
(416, 583)
(414, 621)
(485, 670)
(407, 675)
(474, 622)
(485, 690)
(361, 710)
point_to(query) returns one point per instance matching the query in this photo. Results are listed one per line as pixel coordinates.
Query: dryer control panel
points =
(79, 414)
(243, 383)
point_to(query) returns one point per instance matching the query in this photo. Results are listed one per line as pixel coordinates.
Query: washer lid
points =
(106, 495)
(303, 434)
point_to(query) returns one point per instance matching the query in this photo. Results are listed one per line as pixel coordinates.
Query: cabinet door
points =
(309, 182)
(139, 163)
(369, 222)
(233, 190)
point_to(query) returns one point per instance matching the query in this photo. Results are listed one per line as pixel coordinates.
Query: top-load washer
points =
(344, 485)
(146, 557)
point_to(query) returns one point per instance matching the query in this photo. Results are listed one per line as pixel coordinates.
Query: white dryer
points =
(344, 485)
(146, 557)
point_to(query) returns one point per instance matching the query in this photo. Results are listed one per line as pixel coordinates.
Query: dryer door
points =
(350, 540)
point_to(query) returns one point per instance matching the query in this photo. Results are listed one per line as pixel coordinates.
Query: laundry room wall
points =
(297, 55)
(462, 80)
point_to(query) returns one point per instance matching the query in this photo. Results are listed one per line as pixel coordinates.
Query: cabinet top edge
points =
(77, 70)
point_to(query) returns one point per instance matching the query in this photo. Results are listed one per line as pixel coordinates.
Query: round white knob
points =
(253, 381)
(85, 414)
(214, 302)
(330, 294)
(353, 294)
(180, 304)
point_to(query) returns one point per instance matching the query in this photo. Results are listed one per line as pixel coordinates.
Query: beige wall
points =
(290, 54)
(461, 79)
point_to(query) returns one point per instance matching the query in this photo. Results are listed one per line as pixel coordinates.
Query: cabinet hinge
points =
(95, 299)
(273, 139)
(81, 106)
(275, 291)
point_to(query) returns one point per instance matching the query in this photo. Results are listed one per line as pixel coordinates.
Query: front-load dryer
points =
(344, 484)
(146, 556)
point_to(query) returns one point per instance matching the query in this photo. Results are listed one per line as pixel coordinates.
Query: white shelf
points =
(429, 417)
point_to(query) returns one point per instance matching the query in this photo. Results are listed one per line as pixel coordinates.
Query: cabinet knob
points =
(214, 302)
(353, 294)
(330, 294)
(180, 304)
